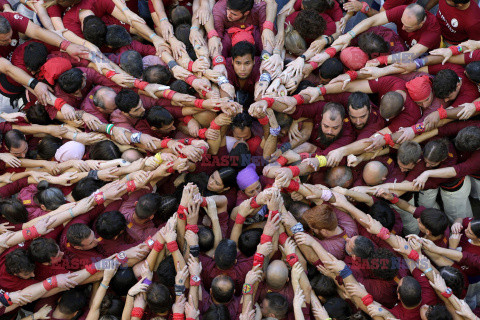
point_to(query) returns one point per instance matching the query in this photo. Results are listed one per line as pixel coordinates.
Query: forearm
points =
(360, 197)
(127, 309)
(402, 186)
(14, 72)
(43, 16)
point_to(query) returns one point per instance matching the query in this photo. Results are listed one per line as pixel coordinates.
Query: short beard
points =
(327, 141)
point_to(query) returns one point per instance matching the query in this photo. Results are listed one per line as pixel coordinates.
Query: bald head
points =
(131, 155)
(416, 11)
(277, 274)
(374, 173)
(340, 176)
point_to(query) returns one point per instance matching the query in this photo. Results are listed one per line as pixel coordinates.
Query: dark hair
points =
(363, 247)
(359, 100)
(123, 280)
(323, 286)
(13, 211)
(85, 187)
(5, 25)
(383, 213)
(240, 5)
(228, 175)
(180, 15)
(42, 250)
(475, 226)
(318, 5)
(166, 272)
(94, 30)
(158, 298)
(410, 292)
(283, 120)
(336, 109)
(35, 55)
(147, 205)
(277, 304)
(13, 139)
(454, 279)
(249, 240)
(436, 150)
(105, 150)
(167, 207)
(112, 306)
(472, 71)
(331, 68)
(223, 288)
(371, 43)
(242, 120)
(117, 37)
(243, 48)
(309, 24)
(182, 33)
(409, 152)
(338, 308)
(37, 114)
(110, 224)
(226, 254)
(78, 232)
(18, 261)
(206, 238)
(127, 100)
(182, 87)
(240, 155)
(72, 301)
(157, 74)
(434, 220)
(71, 80)
(50, 197)
(48, 146)
(383, 264)
(159, 117)
(216, 312)
(468, 139)
(391, 104)
(444, 83)
(131, 61)
(439, 311)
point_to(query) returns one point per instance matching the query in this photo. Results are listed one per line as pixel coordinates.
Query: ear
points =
(384, 178)
(246, 13)
(43, 207)
(226, 189)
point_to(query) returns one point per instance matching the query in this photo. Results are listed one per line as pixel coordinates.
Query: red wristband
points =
(282, 238)
(448, 293)
(131, 186)
(58, 104)
(254, 204)
(91, 268)
(172, 246)
(190, 79)
(218, 60)
(164, 143)
(323, 90)
(270, 101)
(137, 313)
(30, 233)
(201, 133)
(187, 119)
(268, 25)
(477, 106)
(190, 66)
(194, 283)
(300, 99)
(50, 283)
(181, 212)
(382, 59)
(413, 255)
(64, 45)
(265, 238)
(388, 140)
(367, 300)
(239, 219)
(168, 94)
(331, 52)
(454, 50)
(395, 199)
(99, 198)
(304, 155)
(192, 227)
(352, 74)
(158, 246)
(212, 33)
(384, 234)
(292, 258)
(263, 121)
(282, 160)
(204, 203)
(110, 74)
(258, 259)
(313, 64)
(365, 7)
(139, 84)
(199, 103)
(214, 125)
(293, 186)
(442, 113)
(178, 316)
(418, 128)
(295, 170)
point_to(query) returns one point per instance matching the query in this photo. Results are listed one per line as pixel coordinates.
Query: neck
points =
(410, 307)
(138, 220)
(60, 315)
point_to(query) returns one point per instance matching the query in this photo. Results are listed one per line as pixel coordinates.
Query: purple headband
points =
(247, 177)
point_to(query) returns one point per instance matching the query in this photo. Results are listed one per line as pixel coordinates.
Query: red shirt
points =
(472, 56)
(471, 254)
(256, 17)
(428, 35)
(335, 13)
(459, 25)
(19, 24)
(347, 136)
(374, 124)
(88, 106)
(233, 305)
(252, 79)
(138, 232)
(395, 43)
(390, 4)
(443, 241)
(9, 282)
(330, 27)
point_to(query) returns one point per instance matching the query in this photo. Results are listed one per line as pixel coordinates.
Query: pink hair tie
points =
(326, 194)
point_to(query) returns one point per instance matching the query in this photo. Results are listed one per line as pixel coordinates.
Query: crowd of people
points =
(240, 159)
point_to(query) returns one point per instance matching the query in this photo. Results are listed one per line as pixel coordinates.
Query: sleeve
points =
(219, 15)
(13, 188)
(17, 21)
(3, 2)
(408, 117)
(262, 14)
(470, 259)
(5, 127)
(395, 15)
(468, 167)
(119, 120)
(472, 56)
(97, 78)
(76, 63)
(418, 211)
(54, 11)
(336, 12)
(144, 49)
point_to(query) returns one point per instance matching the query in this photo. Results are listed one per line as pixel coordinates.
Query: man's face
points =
(89, 243)
(167, 128)
(21, 151)
(108, 98)
(405, 167)
(235, 15)
(6, 38)
(409, 22)
(243, 66)
(350, 244)
(26, 275)
(459, 6)
(452, 96)
(431, 164)
(331, 128)
(469, 233)
(264, 308)
(138, 112)
(359, 117)
(253, 189)
(215, 183)
(242, 134)
(424, 104)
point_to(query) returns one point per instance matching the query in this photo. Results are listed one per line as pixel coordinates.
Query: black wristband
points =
(195, 251)
(33, 84)
(93, 174)
(303, 56)
(179, 289)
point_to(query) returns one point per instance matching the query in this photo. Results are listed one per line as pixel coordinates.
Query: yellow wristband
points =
(322, 160)
(158, 158)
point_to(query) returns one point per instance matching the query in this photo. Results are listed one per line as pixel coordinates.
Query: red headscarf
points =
(238, 35)
(353, 58)
(419, 88)
(53, 68)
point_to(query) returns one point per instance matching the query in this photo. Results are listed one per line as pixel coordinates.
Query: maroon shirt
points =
(88, 106)
(471, 254)
(428, 35)
(256, 17)
(389, 4)
(374, 124)
(395, 43)
(233, 305)
(335, 12)
(19, 24)
(252, 79)
(442, 242)
(347, 136)
(394, 173)
(138, 232)
(330, 27)
(459, 25)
